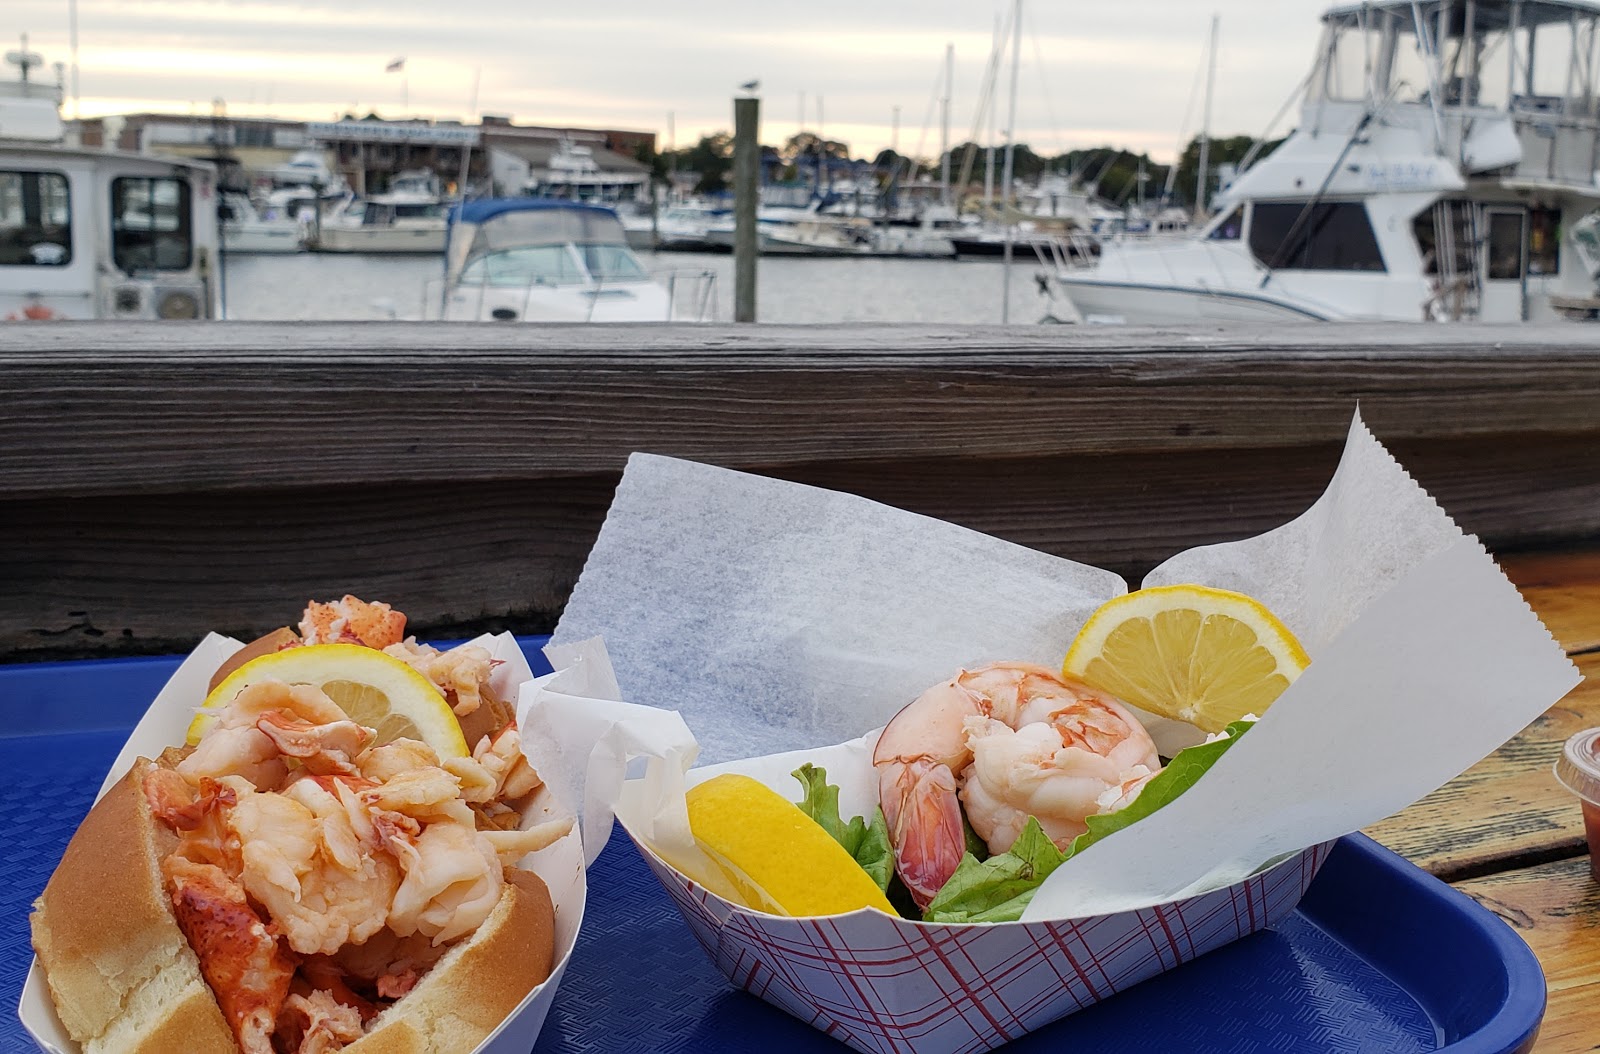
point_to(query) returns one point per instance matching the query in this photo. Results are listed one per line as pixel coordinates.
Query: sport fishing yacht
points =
(1445, 152)
(540, 260)
(88, 233)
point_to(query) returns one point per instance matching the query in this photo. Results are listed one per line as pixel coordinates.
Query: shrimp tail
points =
(923, 812)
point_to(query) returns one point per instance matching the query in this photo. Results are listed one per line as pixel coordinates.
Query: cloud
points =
(1123, 74)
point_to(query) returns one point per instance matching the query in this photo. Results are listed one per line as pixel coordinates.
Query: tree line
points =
(1112, 174)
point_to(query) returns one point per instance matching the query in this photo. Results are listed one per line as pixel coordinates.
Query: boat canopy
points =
(1506, 55)
(1486, 15)
(494, 224)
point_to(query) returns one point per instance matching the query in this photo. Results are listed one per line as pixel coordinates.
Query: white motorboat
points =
(410, 218)
(1445, 152)
(90, 234)
(539, 260)
(245, 229)
(686, 228)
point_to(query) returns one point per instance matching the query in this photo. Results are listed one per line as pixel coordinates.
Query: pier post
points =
(746, 195)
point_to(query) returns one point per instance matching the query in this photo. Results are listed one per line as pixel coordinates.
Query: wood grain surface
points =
(158, 478)
(1564, 588)
(1555, 907)
(88, 408)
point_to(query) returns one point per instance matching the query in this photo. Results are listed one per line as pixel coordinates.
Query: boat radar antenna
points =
(24, 59)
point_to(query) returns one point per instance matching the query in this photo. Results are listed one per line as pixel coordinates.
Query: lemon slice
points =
(1201, 655)
(774, 857)
(375, 689)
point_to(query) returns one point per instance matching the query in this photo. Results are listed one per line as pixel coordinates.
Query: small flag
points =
(396, 66)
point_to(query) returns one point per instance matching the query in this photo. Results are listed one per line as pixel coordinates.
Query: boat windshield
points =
(611, 263)
(554, 265)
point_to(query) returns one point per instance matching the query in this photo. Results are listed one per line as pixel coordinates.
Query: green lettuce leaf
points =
(998, 889)
(867, 843)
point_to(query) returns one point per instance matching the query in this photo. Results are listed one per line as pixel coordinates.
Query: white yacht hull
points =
(262, 238)
(1147, 304)
(625, 302)
(334, 239)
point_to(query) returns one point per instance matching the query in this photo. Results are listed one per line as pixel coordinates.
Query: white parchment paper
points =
(778, 618)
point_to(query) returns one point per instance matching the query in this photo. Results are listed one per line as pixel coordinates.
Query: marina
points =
(537, 559)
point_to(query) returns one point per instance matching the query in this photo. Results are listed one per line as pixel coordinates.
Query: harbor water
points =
(340, 287)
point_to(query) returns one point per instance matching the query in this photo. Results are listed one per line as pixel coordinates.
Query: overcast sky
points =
(1123, 73)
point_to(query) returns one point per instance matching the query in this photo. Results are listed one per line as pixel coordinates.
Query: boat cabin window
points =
(1325, 236)
(35, 220)
(1229, 229)
(151, 224)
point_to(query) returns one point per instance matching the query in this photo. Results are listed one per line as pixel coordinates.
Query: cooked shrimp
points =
(429, 795)
(236, 745)
(306, 867)
(325, 749)
(352, 621)
(453, 879)
(497, 770)
(1011, 740)
(243, 752)
(387, 760)
(462, 671)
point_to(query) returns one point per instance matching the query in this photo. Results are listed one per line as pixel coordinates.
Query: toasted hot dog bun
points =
(125, 981)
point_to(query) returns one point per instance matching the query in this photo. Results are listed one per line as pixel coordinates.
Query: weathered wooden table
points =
(1509, 835)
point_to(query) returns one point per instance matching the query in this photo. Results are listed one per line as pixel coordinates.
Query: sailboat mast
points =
(944, 125)
(1205, 127)
(1011, 153)
(988, 127)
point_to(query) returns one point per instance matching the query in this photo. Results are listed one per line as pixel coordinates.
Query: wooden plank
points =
(1563, 587)
(102, 575)
(130, 408)
(1506, 807)
(1555, 907)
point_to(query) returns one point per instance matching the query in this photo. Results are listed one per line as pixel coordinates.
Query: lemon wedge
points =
(1201, 655)
(375, 689)
(773, 857)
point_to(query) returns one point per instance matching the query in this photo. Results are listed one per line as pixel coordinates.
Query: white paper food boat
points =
(891, 986)
(560, 865)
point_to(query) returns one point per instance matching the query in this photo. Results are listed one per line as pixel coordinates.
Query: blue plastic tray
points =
(1380, 955)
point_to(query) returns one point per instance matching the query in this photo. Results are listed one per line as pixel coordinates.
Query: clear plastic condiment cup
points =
(1578, 769)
